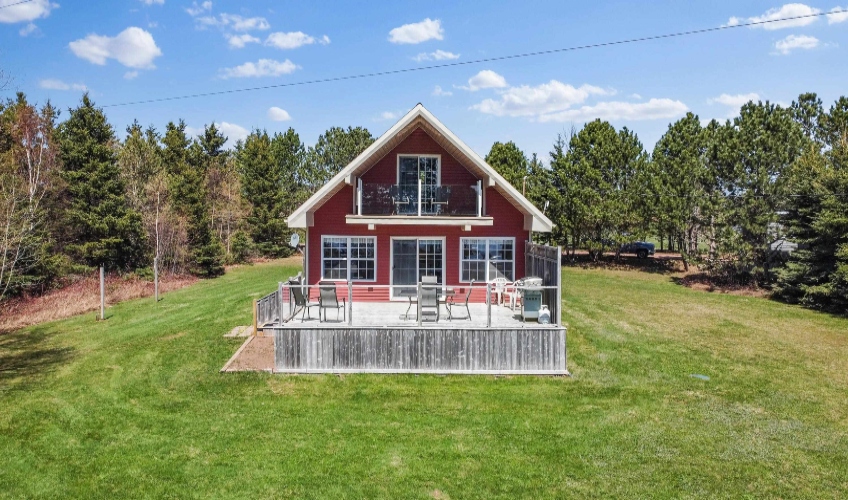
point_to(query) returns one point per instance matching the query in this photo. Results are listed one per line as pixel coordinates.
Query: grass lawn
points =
(135, 406)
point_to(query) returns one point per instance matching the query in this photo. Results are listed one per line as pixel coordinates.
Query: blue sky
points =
(128, 50)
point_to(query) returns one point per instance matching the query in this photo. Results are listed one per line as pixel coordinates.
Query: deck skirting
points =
(530, 351)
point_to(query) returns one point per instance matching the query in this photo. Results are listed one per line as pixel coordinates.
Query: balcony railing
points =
(419, 200)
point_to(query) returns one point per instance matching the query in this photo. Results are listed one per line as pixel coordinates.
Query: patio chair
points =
(302, 301)
(429, 297)
(450, 305)
(327, 299)
(499, 289)
(513, 294)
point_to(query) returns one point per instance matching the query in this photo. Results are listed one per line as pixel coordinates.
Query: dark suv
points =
(641, 249)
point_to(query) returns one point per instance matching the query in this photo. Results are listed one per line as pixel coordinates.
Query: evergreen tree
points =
(510, 162)
(267, 170)
(101, 227)
(185, 162)
(334, 150)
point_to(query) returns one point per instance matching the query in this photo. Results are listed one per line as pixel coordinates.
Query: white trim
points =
(299, 218)
(424, 220)
(392, 239)
(486, 239)
(348, 238)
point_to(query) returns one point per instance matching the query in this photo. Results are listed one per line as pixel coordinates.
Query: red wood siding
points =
(330, 221)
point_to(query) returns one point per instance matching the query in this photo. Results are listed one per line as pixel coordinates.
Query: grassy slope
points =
(135, 406)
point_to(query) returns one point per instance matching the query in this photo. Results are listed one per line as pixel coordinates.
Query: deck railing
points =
(347, 294)
(454, 200)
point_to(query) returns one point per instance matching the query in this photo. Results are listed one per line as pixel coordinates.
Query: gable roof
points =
(420, 117)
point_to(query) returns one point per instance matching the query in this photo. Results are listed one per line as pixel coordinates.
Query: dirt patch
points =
(256, 354)
(80, 295)
(174, 336)
(705, 283)
(439, 495)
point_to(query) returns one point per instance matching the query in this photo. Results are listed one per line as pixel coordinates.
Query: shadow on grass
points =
(660, 263)
(28, 356)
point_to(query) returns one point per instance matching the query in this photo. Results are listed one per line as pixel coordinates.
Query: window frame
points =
(438, 158)
(348, 257)
(487, 260)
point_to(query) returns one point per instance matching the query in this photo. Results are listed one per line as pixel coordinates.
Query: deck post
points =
(558, 267)
(359, 197)
(479, 198)
(419, 199)
(280, 291)
(419, 298)
(488, 306)
(350, 301)
(255, 322)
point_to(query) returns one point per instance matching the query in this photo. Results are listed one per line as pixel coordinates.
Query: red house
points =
(417, 202)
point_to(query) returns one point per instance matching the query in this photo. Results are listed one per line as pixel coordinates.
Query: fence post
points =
(156, 279)
(558, 268)
(280, 291)
(102, 294)
(350, 303)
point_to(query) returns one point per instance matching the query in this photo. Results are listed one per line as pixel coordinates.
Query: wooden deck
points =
(382, 338)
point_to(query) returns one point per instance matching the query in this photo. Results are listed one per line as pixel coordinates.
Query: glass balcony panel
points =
(393, 199)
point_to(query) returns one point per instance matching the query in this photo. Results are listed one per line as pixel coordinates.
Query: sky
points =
(121, 51)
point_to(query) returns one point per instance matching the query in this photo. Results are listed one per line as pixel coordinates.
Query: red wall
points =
(330, 220)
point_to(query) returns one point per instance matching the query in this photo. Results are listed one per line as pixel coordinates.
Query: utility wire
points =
(16, 3)
(479, 61)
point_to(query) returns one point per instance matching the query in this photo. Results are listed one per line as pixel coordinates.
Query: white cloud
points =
(534, 101)
(239, 41)
(636, 96)
(25, 12)
(54, 84)
(151, 2)
(439, 92)
(795, 42)
(233, 132)
(235, 22)
(654, 109)
(840, 15)
(197, 9)
(133, 47)
(735, 100)
(486, 79)
(293, 40)
(278, 114)
(28, 29)
(427, 29)
(388, 115)
(262, 67)
(439, 55)
(786, 11)
(130, 75)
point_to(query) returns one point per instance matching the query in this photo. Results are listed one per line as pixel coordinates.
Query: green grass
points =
(135, 406)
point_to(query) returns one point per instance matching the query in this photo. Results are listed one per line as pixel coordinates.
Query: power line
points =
(478, 61)
(16, 3)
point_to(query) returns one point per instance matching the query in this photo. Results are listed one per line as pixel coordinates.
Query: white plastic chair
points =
(499, 289)
(513, 294)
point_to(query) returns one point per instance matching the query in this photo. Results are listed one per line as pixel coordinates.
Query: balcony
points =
(419, 204)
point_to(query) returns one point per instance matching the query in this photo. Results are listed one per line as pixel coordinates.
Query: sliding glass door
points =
(410, 169)
(412, 259)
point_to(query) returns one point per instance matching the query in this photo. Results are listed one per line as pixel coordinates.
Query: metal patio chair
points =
(302, 301)
(451, 304)
(327, 299)
(429, 296)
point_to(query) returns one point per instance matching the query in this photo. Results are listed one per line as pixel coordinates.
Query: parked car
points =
(641, 249)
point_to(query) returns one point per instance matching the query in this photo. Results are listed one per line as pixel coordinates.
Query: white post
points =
(359, 197)
(488, 306)
(102, 294)
(350, 303)
(479, 198)
(419, 303)
(419, 197)
(156, 279)
(280, 291)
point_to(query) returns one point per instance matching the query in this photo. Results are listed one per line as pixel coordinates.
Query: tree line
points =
(74, 197)
(728, 196)
(725, 195)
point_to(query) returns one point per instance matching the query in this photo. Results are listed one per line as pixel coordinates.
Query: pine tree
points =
(510, 162)
(266, 167)
(184, 161)
(101, 227)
